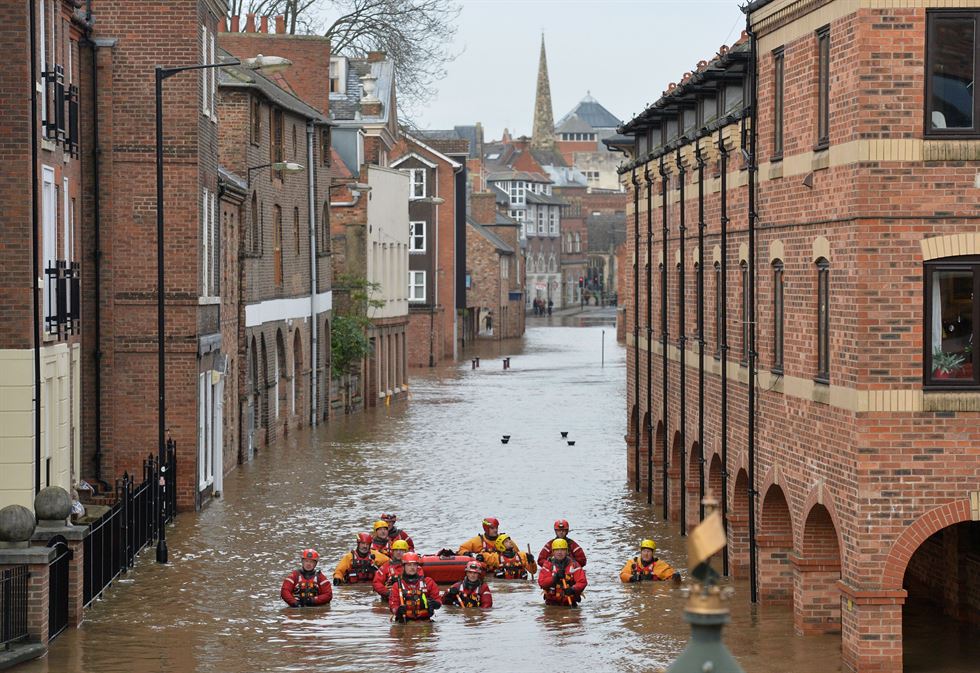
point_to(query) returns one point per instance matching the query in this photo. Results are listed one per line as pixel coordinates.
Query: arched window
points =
(296, 234)
(718, 300)
(325, 228)
(777, 316)
(823, 321)
(277, 252)
(744, 273)
(529, 264)
(578, 242)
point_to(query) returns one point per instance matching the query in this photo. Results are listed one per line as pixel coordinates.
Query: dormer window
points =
(338, 75)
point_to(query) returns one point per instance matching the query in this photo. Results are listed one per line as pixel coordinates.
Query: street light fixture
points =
(282, 166)
(260, 62)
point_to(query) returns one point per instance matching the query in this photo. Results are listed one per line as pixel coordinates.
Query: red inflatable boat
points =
(444, 568)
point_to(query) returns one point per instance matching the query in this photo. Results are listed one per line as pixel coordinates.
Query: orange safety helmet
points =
(411, 557)
(365, 538)
(310, 554)
(561, 524)
(490, 522)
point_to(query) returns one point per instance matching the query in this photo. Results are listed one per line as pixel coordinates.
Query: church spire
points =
(543, 135)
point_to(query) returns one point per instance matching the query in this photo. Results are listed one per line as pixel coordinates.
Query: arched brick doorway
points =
(694, 486)
(815, 592)
(774, 543)
(738, 525)
(674, 478)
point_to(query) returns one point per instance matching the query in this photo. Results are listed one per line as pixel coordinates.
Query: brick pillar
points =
(75, 535)
(816, 596)
(871, 629)
(775, 568)
(38, 594)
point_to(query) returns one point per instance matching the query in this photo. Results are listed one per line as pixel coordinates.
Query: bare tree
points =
(415, 34)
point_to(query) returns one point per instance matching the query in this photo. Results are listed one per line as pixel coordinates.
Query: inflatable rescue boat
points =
(444, 568)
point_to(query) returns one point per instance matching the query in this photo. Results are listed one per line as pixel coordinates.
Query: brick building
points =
(40, 272)
(853, 489)
(283, 360)
(436, 167)
(579, 137)
(495, 278)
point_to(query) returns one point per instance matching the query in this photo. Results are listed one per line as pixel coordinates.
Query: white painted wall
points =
(387, 239)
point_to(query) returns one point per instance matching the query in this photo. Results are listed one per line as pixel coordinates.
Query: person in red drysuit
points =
(395, 533)
(359, 564)
(381, 542)
(471, 591)
(561, 577)
(307, 586)
(413, 596)
(389, 573)
(561, 532)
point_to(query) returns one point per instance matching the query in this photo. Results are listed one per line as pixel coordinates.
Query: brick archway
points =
(694, 485)
(674, 478)
(775, 547)
(738, 526)
(913, 536)
(816, 596)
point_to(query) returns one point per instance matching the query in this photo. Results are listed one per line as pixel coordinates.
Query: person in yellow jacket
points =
(510, 562)
(647, 567)
(484, 545)
(359, 564)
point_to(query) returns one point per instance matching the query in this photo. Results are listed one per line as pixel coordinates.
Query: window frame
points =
(277, 152)
(929, 268)
(412, 182)
(413, 235)
(743, 269)
(412, 285)
(823, 321)
(823, 88)
(718, 300)
(778, 317)
(779, 103)
(955, 133)
(256, 125)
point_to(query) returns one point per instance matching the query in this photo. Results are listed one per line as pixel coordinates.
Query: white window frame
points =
(205, 243)
(541, 221)
(416, 230)
(213, 76)
(205, 75)
(552, 220)
(504, 267)
(49, 233)
(414, 285)
(42, 10)
(205, 431)
(578, 242)
(413, 182)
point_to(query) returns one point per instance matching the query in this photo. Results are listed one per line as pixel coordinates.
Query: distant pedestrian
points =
(551, 305)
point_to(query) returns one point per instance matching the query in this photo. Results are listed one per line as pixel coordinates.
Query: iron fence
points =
(58, 587)
(130, 525)
(13, 605)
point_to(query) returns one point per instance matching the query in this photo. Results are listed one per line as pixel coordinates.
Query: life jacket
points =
(307, 585)
(646, 572)
(510, 567)
(362, 568)
(557, 592)
(384, 549)
(488, 544)
(469, 597)
(413, 597)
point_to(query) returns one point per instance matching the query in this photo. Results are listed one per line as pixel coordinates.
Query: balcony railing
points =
(63, 286)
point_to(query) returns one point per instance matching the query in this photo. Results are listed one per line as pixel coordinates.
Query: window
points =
(578, 242)
(823, 321)
(338, 75)
(718, 300)
(823, 87)
(777, 316)
(210, 242)
(553, 221)
(416, 285)
(324, 242)
(952, 307)
(256, 135)
(416, 236)
(744, 271)
(275, 140)
(294, 141)
(253, 230)
(541, 225)
(416, 183)
(325, 147)
(952, 61)
(49, 244)
(778, 63)
(208, 75)
(277, 251)
(504, 267)
(296, 234)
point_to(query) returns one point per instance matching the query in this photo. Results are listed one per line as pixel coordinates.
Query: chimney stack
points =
(250, 23)
(375, 56)
(483, 207)
(264, 27)
(280, 24)
(235, 24)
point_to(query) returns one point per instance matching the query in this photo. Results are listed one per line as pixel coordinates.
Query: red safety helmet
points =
(365, 538)
(410, 557)
(490, 522)
(475, 567)
(390, 518)
(561, 524)
(310, 554)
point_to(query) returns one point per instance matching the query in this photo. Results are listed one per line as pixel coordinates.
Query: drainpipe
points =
(723, 290)
(649, 334)
(753, 218)
(314, 349)
(663, 337)
(682, 344)
(35, 271)
(700, 318)
(636, 328)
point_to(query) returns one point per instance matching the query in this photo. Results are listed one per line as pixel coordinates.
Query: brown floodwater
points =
(438, 462)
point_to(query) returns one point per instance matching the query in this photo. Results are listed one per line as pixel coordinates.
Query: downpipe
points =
(663, 338)
(753, 220)
(636, 329)
(700, 318)
(723, 291)
(682, 342)
(649, 182)
(314, 332)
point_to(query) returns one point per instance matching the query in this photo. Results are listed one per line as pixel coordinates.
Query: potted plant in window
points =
(946, 365)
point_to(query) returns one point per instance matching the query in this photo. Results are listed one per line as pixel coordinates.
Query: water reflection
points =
(438, 463)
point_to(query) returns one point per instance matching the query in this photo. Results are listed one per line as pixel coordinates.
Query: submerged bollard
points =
(472, 364)
(478, 362)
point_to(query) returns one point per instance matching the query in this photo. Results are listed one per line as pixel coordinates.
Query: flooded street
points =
(437, 462)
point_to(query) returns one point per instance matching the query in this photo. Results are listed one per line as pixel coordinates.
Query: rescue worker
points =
(381, 542)
(647, 567)
(413, 596)
(306, 586)
(562, 578)
(359, 564)
(471, 591)
(390, 571)
(512, 563)
(395, 533)
(484, 544)
(561, 532)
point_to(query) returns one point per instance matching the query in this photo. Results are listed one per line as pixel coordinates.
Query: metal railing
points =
(58, 575)
(130, 525)
(13, 605)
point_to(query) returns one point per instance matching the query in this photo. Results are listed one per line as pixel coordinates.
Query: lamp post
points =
(268, 63)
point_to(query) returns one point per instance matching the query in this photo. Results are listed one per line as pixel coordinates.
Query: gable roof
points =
(494, 240)
(592, 113)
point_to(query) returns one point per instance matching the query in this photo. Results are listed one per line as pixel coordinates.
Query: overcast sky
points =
(624, 51)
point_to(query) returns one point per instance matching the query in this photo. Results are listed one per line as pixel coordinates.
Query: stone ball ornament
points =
(16, 524)
(52, 504)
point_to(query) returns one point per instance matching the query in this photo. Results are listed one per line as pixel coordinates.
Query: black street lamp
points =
(268, 63)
